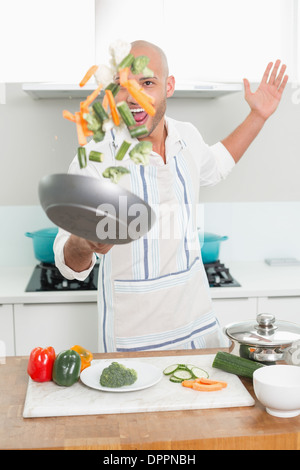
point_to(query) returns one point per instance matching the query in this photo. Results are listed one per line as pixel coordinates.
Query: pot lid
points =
(265, 332)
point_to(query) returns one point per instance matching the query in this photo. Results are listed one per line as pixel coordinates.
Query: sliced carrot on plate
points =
(206, 387)
(188, 383)
(205, 381)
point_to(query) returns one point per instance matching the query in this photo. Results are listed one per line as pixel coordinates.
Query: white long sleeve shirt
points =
(153, 293)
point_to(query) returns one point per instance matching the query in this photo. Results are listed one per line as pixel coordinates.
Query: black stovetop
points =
(46, 277)
(219, 276)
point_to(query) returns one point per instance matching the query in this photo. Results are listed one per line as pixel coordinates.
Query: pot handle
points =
(29, 234)
(224, 238)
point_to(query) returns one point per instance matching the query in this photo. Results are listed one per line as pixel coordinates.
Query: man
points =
(153, 292)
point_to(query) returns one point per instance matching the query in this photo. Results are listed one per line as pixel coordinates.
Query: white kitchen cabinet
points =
(208, 40)
(231, 310)
(7, 347)
(53, 40)
(61, 325)
(284, 308)
(234, 310)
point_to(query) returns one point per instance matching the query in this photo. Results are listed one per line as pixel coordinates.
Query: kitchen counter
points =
(257, 279)
(13, 282)
(234, 428)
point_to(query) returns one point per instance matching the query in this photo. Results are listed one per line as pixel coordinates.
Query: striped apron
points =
(153, 292)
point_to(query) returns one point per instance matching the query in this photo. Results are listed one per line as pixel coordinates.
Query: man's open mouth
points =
(139, 115)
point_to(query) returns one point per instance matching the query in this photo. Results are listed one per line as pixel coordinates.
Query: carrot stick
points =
(68, 115)
(80, 134)
(93, 95)
(204, 385)
(84, 126)
(207, 388)
(140, 98)
(135, 84)
(205, 381)
(113, 108)
(148, 97)
(105, 102)
(188, 383)
(123, 74)
(88, 75)
(84, 110)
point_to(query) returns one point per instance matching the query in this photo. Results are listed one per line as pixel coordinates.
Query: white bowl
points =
(278, 389)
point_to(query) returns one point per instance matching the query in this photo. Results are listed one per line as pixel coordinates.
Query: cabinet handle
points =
(283, 296)
(232, 298)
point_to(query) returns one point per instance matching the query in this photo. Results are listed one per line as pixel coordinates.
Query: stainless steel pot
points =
(265, 340)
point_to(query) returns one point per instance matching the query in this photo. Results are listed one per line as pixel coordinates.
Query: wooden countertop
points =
(231, 428)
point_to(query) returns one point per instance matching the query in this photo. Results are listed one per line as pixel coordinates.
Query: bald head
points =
(141, 47)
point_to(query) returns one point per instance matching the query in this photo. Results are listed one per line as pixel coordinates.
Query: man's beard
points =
(159, 114)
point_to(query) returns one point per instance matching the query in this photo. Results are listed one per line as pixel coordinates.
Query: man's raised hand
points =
(266, 98)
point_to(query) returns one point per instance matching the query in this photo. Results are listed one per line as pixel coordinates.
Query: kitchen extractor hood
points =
(199, 89)
(182, 90)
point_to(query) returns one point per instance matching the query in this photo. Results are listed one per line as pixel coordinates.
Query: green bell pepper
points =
(66, 369)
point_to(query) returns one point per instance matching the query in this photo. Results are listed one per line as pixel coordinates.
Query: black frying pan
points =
(102, 212)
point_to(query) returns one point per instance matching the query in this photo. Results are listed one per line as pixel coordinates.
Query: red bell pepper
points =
(40, 364)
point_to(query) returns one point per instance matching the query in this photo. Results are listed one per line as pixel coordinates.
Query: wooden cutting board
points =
(48, 399)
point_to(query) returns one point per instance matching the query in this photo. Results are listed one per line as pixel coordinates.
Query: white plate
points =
(147, 374)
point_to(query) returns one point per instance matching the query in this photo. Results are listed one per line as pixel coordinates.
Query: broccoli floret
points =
(148, 72)
(117, 375)
(139, 64)
(140, 153)
(115, 173)
(93, 122)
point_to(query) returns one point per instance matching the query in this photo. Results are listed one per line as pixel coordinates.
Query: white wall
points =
(256, 231)
(46, 41)
(15, 248)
